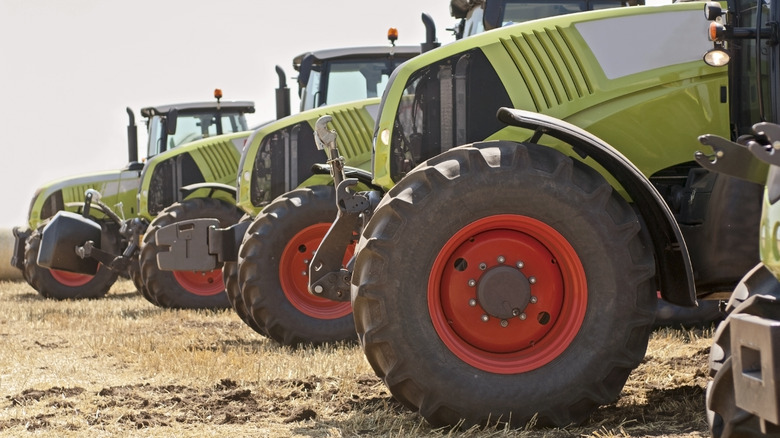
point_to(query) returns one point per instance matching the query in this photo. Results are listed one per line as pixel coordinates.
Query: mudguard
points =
(675, 271)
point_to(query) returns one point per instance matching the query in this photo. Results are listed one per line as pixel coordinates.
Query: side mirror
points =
(170, 121)
(304, 72)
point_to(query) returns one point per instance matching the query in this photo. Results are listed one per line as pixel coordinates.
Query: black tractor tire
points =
(273, 270)
(185, 289)
(233, 290)
(499, 281)
(725, 418)
(134, 271)
(61, 285)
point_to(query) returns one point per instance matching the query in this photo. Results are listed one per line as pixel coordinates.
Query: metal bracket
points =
(111, 261)
(733, 159)
(755, 363)
(327, 277)
(770, 152)
(20, 238)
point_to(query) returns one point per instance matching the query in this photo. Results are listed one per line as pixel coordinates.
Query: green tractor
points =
(283, 179)
(269, 294)
(168, 127)
(199, 181)
(743, 398)
(535, 190)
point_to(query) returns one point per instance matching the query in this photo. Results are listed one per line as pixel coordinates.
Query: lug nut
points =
(485, 318)
(532, 280)
(523, 316)
(482, 266)
(501, 259)
(472, 302)
(504, 323)
(520, 264)
(472, 283)
(533, 299)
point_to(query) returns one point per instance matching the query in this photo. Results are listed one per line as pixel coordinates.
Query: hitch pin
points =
(326, 140)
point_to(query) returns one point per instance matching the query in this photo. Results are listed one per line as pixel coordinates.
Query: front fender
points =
(675, 271)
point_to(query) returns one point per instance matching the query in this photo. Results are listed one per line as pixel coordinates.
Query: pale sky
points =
(70, 67)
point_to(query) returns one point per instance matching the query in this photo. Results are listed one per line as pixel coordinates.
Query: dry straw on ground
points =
(121, 367)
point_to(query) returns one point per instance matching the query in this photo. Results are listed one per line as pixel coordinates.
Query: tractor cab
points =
(328, 77)
(170, 126)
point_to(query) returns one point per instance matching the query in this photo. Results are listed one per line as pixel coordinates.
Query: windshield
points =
(339, 81)
(518, 11)
(191, 127)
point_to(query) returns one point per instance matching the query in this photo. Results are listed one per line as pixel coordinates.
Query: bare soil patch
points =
(120, 366)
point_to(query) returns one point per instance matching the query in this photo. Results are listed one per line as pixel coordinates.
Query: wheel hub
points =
(504, 292)
(507, 293)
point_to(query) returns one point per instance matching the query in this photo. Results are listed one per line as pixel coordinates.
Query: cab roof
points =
(244, 106)
(356, 52)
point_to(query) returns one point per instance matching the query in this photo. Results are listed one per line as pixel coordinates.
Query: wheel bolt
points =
(501, 259)
(520, 264)
(533, 299)
(472, 302)
(532, 280)
(482, 266)
(523, 316)
(472, 283)
(485, 318)
(504, 323)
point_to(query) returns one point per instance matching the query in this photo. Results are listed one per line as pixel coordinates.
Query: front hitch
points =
(741, 159)
(327, 278)
(72, 242)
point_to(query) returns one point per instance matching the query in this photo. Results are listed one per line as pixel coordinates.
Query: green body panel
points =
(547, 66)
(118, 190)
(216, 159)
(769, 237)
(354, 123)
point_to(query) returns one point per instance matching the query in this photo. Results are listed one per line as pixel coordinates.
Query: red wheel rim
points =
(528, 321)
(71, 279)
(294, 271)
(201, 283)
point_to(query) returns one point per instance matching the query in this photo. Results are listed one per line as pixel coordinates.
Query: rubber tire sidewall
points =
(42, 280)
(398, 248)
(162, 286)
(233, 290)
(259, 269)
